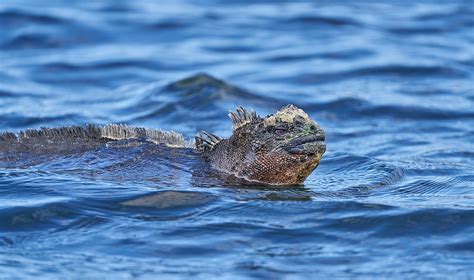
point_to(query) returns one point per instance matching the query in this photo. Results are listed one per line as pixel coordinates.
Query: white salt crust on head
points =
(286, 114)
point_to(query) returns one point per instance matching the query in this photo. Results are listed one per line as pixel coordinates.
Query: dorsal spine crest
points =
(206, 141)
(242, 117)
(110, 131)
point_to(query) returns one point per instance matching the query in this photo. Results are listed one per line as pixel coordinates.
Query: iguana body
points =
(74, 138)
(283, 148)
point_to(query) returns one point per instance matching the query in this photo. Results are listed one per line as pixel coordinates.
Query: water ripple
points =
(390, 82)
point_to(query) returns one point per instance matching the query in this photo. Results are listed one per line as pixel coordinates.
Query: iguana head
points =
(283, 148)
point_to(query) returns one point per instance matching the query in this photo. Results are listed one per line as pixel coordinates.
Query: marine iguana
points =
(279, 149)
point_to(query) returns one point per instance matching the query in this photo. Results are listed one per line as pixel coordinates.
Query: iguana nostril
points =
(312, 127)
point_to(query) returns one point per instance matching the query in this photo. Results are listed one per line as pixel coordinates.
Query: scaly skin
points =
(280, 149)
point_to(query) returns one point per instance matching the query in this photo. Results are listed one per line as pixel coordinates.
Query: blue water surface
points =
(392, 84)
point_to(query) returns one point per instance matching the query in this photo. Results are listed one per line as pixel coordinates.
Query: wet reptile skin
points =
(281, 149)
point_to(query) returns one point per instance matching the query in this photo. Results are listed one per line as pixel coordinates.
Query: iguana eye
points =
(280, 130)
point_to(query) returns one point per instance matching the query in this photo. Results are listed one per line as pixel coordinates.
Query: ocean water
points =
(392, 84)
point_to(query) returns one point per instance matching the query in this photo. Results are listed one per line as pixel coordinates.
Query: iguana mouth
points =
(309, 144)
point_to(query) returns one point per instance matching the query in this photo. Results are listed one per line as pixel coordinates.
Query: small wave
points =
(33, 218)
(70, 34)
(460, 246)
(385, 70)
(82, 224)
(363, 176)
(234, 48)
(344, 108)
(333, 55)
(115, 8)
(170, 199)
(425, 187)
(414, 112)
(199, 98)
(168, 24)
(33, 40)
(422, 30)
(461, 16)
(403, 222)
(64, 67)
(15, 18)
(4, 94)
(345, 105)
(18, 121)
(6, 241)
(323, 20)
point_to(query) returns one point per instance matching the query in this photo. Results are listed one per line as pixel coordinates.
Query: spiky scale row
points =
(8, 136)
(242, 117)
(157, 136)
(90, 132)
(206, 141)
